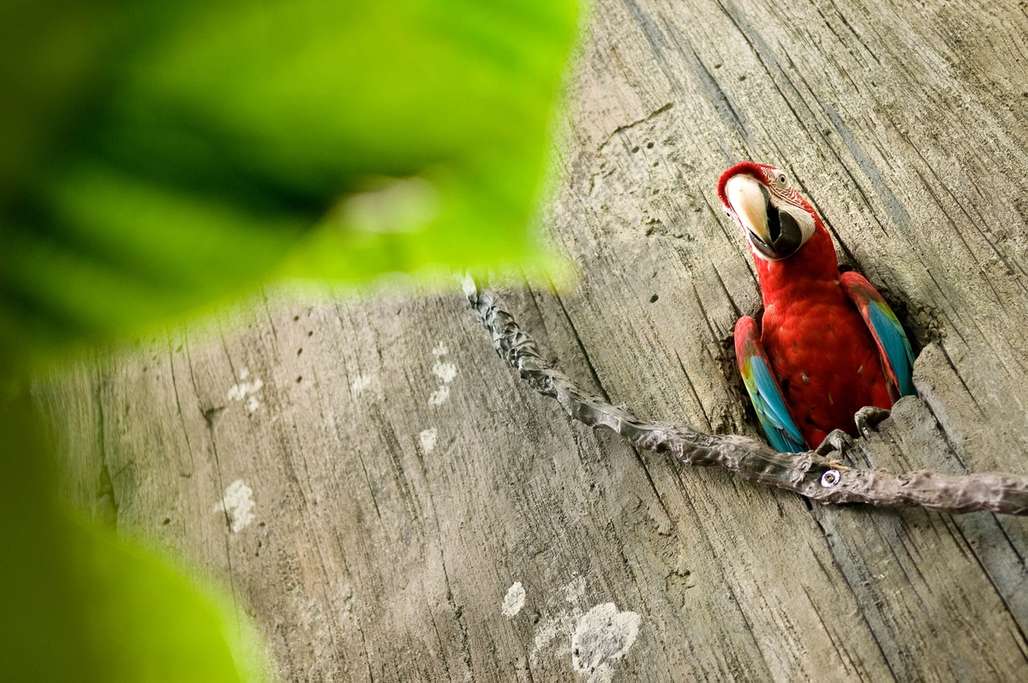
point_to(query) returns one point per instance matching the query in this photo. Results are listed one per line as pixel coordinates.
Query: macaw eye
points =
(780, 178)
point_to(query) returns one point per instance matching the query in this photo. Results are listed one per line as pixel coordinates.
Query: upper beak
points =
(749, 200)
(773, 233)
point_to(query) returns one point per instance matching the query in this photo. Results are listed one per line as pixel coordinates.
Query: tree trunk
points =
(388, 501)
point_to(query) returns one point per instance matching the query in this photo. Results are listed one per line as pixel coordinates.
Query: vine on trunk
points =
(817, 477)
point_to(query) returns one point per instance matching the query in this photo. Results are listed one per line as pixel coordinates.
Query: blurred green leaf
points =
(166, 155)
(82, 604)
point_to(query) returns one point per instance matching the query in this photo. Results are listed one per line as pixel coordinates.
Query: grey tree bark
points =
(388, 501)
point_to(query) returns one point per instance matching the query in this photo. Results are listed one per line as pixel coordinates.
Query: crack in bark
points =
(107, 504)
(632, 124)
(750, 459)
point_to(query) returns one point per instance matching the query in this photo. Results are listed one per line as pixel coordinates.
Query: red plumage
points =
(818, 345)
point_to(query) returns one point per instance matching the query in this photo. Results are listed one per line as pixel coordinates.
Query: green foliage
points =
(188, 151)
(162, 157)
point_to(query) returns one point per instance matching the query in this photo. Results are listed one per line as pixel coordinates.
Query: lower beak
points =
(775, 234)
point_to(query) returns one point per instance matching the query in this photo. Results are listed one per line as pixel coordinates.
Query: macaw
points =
(828, 343)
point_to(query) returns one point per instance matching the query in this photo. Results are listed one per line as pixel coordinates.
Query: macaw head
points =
(776, 218)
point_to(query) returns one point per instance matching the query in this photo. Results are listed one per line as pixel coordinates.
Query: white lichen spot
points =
(246, 390)
(444, 371)
(439, 396)
(359, 384)
(513, 601)
(237, 504)
(603, 635)
(427, 438)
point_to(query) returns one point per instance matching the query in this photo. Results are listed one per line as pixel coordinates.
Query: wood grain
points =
(376, 551)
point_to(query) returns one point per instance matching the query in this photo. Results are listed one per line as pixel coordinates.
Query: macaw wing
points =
(765, 394)
(893, 345)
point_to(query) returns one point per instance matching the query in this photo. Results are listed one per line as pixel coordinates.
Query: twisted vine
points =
(816, 477)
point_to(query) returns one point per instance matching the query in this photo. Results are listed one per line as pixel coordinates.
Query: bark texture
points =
(390, 502)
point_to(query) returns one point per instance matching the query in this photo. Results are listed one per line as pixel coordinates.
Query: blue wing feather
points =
(771, 410)
(894, 342)
(762, 386)
(893, 345)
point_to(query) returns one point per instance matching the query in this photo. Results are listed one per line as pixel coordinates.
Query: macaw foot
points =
(837, 441)
(868, 418)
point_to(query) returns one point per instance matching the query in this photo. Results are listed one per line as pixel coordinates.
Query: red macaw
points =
(829, 344)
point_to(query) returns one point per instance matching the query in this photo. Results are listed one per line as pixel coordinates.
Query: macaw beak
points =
(775, 234)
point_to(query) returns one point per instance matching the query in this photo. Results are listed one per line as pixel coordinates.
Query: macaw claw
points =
(837, 441)
(868, 418)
